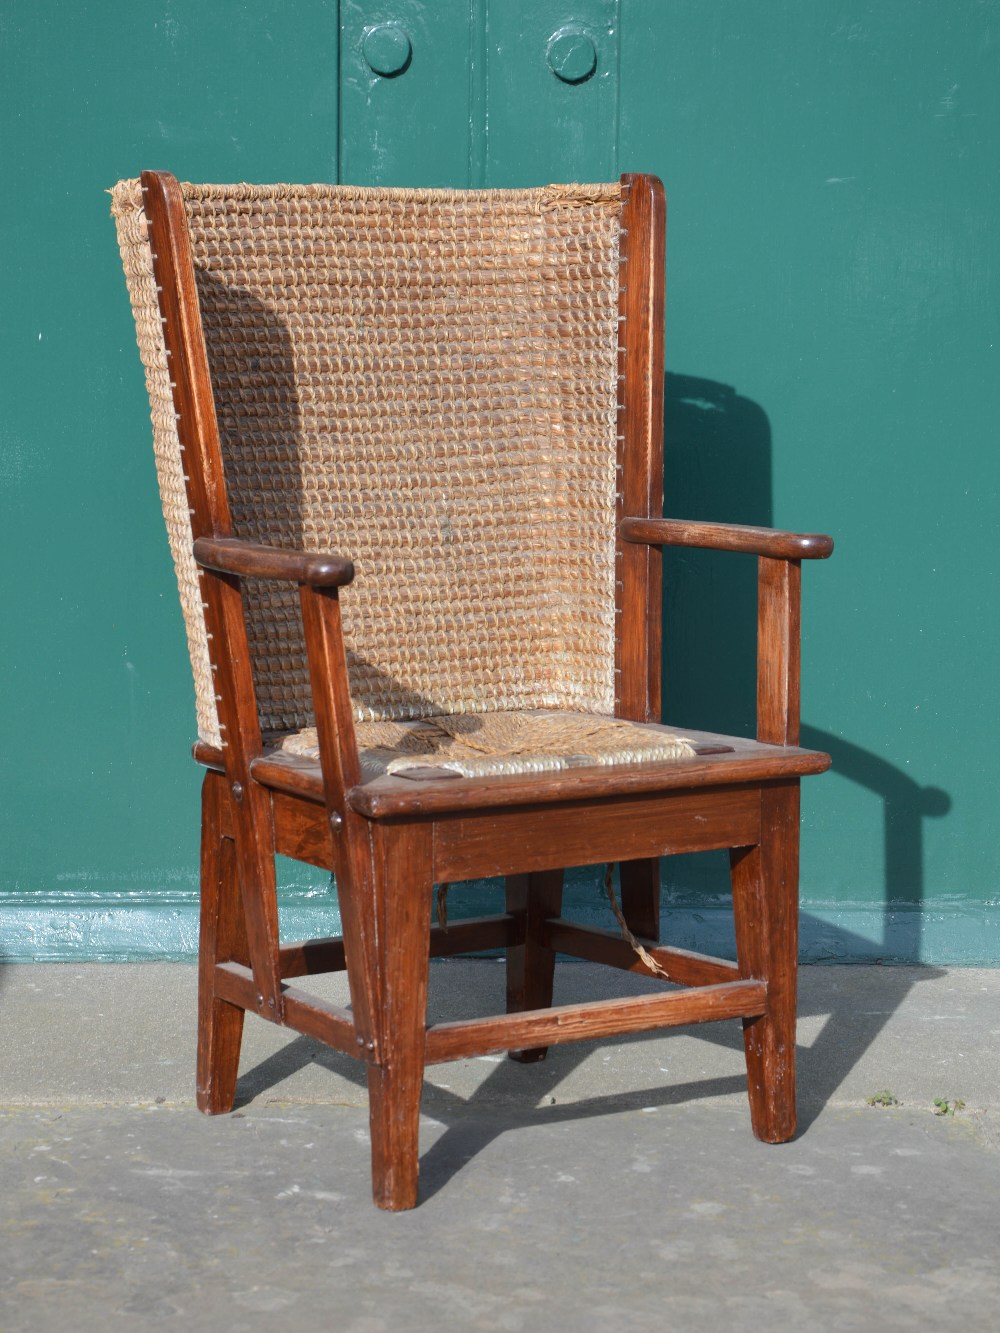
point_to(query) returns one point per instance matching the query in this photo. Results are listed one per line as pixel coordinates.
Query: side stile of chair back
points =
(640, 435)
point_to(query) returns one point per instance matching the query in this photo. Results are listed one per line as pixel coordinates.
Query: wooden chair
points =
(459, 396)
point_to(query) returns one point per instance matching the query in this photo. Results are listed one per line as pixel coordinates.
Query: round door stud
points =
(387, 49)
(572, 55)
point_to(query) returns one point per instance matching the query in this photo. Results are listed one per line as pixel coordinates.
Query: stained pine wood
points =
(531, 900)
(778, 650)
(402, 884)
(222, 937)
(209, 756)
(504, 841)
(348, 832)
(638, 570)
(469, 935)
(726, 537)
(185, 347)
(230, 555)
(473, 935)
(307, 1014)
(639, 883)
(765, 902)
(640, 446)
(310, 958)
(302, 831)
(574, 1022)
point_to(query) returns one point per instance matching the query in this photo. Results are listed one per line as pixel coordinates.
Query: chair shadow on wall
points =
(718, 466)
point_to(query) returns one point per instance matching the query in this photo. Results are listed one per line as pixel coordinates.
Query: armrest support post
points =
(779, 582)
(778, 650)
(331, 692)
(338, 752)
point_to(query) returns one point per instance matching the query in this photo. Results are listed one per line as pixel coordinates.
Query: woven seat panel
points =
(491, 744)
(426, 382)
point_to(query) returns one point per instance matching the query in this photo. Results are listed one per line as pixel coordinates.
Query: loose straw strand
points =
(642, 953)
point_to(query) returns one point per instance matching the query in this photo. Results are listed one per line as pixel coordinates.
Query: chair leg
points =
(222, 939)
(403, 889)
(640, 892)
(765, 903)
(531, 964)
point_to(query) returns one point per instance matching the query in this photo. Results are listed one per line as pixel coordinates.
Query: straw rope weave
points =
(491, 744)
(424, 381)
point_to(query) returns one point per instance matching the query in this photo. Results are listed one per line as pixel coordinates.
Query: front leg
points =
(766, 907)
(403, 889)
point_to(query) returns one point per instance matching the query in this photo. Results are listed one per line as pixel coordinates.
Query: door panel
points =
(472, 94)
(405, 92)
(552, 92)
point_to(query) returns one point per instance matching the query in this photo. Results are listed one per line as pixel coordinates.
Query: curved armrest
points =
(727, 537)
(231, 555)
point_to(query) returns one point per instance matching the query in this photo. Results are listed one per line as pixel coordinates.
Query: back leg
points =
(640, 892)
(531, 964)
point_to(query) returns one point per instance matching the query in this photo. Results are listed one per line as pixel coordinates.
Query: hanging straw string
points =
(642, 953)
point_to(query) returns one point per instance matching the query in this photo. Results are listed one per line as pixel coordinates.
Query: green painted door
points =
(833, 306)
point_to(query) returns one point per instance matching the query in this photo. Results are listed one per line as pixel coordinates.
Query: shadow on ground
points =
(513, 1096)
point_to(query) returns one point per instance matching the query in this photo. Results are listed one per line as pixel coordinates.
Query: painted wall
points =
(833, 311)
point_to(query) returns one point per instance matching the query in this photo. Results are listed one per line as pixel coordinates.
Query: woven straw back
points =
(426, 382)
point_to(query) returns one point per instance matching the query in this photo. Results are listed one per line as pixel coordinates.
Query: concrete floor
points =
(616, 1186)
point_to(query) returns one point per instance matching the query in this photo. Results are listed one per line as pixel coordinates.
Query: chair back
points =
(425, 381)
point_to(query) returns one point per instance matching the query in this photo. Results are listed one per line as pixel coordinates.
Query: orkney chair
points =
(409, 448)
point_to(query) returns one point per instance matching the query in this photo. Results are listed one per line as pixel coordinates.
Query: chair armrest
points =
(727, 537)
(778, 601)
(231, 555)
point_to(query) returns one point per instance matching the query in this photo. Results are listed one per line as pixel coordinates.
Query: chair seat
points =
(475, 745)
(291, 764)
